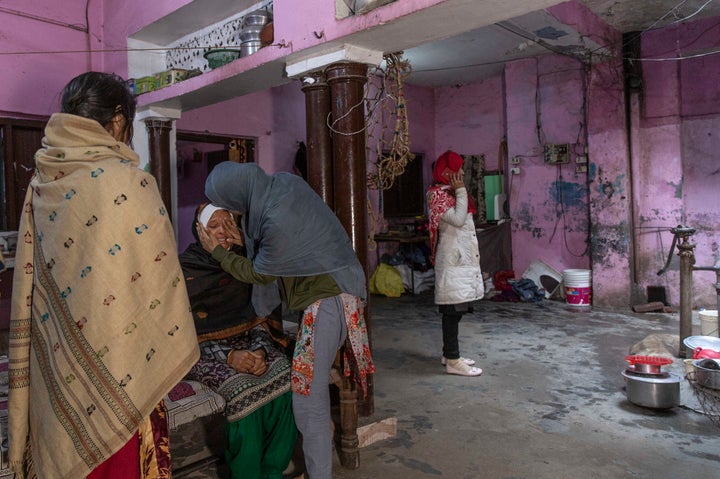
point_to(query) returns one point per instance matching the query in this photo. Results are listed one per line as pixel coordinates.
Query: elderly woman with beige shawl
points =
(100, 326)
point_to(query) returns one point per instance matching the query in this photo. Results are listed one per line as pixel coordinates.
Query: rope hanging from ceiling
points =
(392, 155)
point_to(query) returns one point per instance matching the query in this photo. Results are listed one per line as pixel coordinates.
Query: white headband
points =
(207, 213)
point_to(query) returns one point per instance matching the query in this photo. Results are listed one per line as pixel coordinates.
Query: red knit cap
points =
(450, 161)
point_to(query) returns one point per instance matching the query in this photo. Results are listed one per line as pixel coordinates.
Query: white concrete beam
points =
(344, 53)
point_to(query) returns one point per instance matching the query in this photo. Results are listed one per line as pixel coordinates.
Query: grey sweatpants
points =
(312, 412)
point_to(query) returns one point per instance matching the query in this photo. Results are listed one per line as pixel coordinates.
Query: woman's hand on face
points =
(233, 232)
(207, 240)
(456, 181)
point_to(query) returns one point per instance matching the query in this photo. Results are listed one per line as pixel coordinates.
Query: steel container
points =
(707, 372)
(657, 392)
(257, 17)
(248, 48)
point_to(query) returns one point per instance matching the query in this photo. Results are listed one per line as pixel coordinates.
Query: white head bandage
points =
(207, 213)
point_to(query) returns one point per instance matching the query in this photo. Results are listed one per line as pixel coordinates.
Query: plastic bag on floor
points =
(424, 280)
(386, 280)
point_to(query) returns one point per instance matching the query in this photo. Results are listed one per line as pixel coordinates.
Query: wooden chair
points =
(348, 450)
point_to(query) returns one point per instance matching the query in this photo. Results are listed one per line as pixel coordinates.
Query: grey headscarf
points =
(289, 230)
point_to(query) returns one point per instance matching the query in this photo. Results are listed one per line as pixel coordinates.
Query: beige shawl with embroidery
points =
(100, 325)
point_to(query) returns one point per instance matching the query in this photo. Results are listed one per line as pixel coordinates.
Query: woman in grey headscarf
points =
(294, 239)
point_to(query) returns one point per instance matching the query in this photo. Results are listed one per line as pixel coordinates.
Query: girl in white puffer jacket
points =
(456, 256)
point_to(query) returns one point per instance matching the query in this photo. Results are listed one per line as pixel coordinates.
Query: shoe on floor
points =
(468, 361)
(458, 367)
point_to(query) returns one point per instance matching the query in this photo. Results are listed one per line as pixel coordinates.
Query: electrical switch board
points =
(557, 153)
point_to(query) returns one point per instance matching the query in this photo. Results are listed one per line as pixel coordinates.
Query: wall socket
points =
(581, 159)
(515, 171)
(515, 160)
(580, 168)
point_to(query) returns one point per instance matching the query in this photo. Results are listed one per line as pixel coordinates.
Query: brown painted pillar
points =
(159, 145)
(347, 93)
(319, 139)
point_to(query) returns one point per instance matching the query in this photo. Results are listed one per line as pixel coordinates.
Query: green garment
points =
(261, 444)
(299, 292)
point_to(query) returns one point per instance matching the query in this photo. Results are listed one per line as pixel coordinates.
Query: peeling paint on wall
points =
(678, 188)
(609, 240)
(663, 218)
(568, 194)
(524, 220)
(608, 187)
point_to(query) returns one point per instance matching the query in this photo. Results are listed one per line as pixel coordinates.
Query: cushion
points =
(189, 400)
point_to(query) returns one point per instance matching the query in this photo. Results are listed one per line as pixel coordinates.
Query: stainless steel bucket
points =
(657, 391)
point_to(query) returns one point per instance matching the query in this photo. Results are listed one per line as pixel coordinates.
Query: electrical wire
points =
(702, 7)
(560, 201)
(674, 59)
(672, 11)
(74, 26)
(125, 50)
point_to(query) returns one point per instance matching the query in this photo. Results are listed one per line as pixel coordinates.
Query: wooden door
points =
(20, 140)
(406, 197)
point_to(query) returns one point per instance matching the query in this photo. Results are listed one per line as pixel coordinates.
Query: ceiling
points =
(452, 43)
(481, 53)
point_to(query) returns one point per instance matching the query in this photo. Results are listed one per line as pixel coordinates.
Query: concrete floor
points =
(550, 403)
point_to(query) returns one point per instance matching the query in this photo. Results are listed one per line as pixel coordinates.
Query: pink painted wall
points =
(422, 116)
(609, 179)
(611, 202)
(31, 80)
(288, 126)
(548, 203)
(679, 169)
(470, 120)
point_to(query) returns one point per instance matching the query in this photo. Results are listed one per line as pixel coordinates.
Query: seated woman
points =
(241, 358)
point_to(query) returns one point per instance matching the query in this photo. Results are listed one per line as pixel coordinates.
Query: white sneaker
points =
(467, 361)
(461, 369)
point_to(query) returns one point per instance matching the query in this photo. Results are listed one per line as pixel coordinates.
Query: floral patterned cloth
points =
(439, 201)
(357, 360)
(243, 393)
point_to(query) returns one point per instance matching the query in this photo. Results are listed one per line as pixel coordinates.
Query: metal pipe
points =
(687, 260)
(687, 266)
